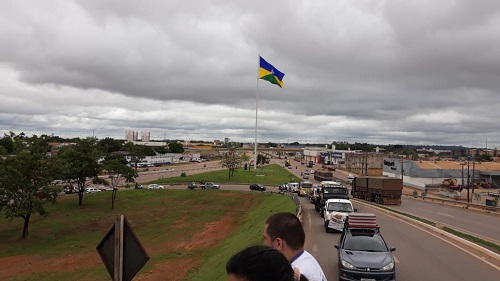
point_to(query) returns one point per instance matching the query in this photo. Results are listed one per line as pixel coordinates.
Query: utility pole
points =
(473, 176)
(402, 169)
(462, 176)
(468, 181)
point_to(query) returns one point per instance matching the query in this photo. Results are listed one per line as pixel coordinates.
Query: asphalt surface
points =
(421, 254)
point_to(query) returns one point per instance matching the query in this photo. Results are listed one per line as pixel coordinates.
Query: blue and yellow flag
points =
(270, 73)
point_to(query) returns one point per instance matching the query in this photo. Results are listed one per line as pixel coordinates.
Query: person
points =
(260, 263)
(284, 232)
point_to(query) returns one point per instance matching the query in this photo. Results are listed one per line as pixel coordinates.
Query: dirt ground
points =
(174, 269)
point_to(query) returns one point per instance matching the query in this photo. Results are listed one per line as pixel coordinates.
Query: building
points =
(145, 136)
(419, 174)
(131, 135)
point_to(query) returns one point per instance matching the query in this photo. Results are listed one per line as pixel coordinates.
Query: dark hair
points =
(287, 227)
(261, 263)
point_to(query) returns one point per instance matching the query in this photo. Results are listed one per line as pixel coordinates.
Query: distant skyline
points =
(414, 72)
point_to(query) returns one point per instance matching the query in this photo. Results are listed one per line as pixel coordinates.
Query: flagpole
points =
(256, 111)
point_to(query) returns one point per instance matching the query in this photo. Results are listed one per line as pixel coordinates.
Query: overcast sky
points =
(382, 72)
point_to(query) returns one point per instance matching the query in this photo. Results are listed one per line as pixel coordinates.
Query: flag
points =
(270, 73)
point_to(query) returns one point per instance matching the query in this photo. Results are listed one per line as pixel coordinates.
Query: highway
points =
(421, 254)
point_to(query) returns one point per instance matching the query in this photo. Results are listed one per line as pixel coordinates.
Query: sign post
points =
(121, 251)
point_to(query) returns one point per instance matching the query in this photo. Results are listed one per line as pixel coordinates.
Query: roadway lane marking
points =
(448, 215)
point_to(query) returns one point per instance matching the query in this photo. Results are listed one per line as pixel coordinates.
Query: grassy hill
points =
(187, 234)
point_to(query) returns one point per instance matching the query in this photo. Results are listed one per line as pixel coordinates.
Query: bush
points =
(183, 174)
(415, 193)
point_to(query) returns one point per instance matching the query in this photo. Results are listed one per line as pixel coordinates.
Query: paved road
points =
(420, 255)
(480, 223)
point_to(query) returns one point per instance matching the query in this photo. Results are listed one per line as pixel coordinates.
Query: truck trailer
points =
(381, 190)
(323, 175)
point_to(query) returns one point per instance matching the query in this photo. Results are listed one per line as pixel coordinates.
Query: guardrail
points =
(298, 204)
(454, 202)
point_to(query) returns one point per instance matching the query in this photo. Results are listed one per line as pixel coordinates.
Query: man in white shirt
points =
(284, 232)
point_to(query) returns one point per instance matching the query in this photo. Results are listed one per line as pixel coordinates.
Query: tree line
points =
(31, 175)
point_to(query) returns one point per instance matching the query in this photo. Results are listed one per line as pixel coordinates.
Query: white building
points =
(145, 136)
(131, 135)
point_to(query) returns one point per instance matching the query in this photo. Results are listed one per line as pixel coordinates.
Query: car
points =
(155, 186)
(210, 185)
(363, 253)
(336, 212)
(106, 188)
(350, 176)
(257, 186)
(305, 175)
(138, 186)
(192, 185)
(301, 192)
(92, 190)
(70, 189)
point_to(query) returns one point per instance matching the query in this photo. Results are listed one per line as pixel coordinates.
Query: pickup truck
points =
(209, 184)
(193, 185)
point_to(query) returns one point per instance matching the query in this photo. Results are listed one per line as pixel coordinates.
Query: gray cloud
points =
(416, 72)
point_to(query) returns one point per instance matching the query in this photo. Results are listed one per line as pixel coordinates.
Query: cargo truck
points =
(381, 190)
(323, 175)
(330, 190)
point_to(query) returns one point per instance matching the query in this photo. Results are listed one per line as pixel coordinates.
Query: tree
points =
(232, 161)
(136, 153)
(109, 145)
(78, 163)
(7, 144)
(26, 177)
(116, 168)
(175, 147)
(244, 158)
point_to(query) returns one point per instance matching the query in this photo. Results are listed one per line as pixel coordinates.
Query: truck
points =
(310, 164)
(381, 190)
(330, 190)
(323, 175)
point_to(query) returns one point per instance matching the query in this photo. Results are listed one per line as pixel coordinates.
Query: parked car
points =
(210, 185)
(155, 186)
(92, 190)
(257, 186)
(70, 189)
(350, 176)
(106, 188)
(193, 185)
(138, 186)
(364, 255)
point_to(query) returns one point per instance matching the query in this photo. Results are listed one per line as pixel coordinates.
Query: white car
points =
(92, 190)
(350, 176)
(210, 185)
(336, 212)
(155, 186)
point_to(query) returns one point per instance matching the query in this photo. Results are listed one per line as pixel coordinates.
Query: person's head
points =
(259, 263)
(284, 231)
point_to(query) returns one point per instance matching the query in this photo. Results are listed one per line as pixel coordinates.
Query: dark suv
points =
(364, 255)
